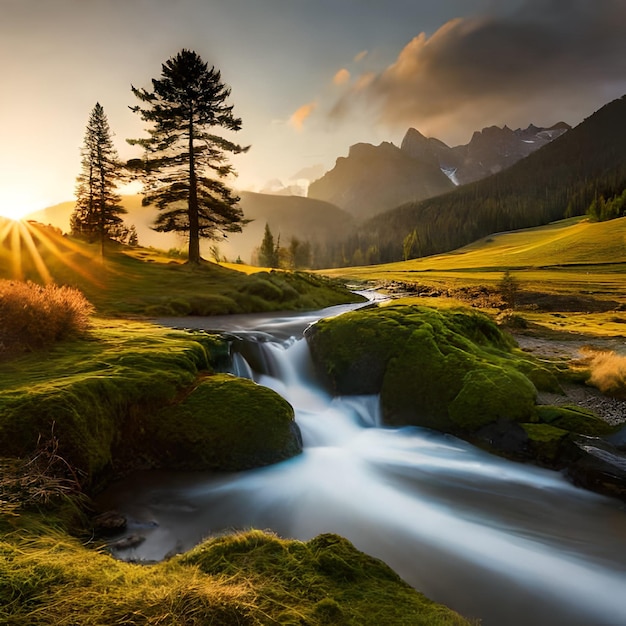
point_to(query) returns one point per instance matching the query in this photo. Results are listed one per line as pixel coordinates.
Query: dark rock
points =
(109, 523)
(618, 439)
(600, 467)
(505, 436)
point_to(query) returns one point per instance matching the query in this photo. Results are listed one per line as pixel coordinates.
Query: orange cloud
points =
(299, 117)
(341, 77)
(360, 56)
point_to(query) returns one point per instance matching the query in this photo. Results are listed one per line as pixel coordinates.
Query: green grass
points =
(148, 282)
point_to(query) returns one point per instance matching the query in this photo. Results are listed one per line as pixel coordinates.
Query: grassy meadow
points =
(574, 258)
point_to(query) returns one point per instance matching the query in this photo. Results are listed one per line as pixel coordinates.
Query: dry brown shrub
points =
(44, 478)
(607, 372)
(33, 316)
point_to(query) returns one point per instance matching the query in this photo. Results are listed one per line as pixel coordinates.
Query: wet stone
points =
(109, 523)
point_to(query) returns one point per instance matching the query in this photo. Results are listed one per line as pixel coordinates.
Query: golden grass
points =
(571, 256)
(33, 316)
(607, 371)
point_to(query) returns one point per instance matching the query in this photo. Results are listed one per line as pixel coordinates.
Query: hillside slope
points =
(307, 219)
(288, 216)
(568, 242)
(141, 281)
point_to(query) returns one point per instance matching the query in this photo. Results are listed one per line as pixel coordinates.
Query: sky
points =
(308, 78)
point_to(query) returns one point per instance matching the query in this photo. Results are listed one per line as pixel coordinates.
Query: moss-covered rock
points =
(452, 371)
(546, 443)
(542, 376)
(573, 419)
(105, 404)
(226, 423)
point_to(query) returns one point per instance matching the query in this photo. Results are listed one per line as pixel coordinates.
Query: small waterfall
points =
(241, 367)
(500, 541)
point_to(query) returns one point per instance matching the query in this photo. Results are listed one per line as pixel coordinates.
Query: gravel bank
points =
(610, 409)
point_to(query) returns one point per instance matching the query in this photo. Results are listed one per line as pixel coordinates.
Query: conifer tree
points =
(185, 162)
(268, 252)
(98, 205)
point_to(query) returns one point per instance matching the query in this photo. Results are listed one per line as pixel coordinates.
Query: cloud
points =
(299, 117)
(559, 55)
(341, 77)
(359, 57)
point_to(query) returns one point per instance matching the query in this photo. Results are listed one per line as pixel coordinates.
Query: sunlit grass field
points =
(150, 282)
(572, 256)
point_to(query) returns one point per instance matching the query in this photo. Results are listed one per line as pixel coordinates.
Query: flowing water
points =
(508, 543)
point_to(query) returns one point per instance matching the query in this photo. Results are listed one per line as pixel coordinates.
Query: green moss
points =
(546, 442)
(542, 376)
(326, 579)
(490, 393)
(449, 370)
(573, 419)
(214, 304)
(225, 423)
(258, 286)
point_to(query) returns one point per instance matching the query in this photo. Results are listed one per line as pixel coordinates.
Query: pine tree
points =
(268, 252)
(98, 205)
(185, 162)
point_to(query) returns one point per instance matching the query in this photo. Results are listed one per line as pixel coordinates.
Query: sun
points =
(15, 206)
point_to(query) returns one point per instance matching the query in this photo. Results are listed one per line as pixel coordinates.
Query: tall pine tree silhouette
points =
(185, 161)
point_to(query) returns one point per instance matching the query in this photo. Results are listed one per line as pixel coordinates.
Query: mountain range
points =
(559, 180)
(374, 179)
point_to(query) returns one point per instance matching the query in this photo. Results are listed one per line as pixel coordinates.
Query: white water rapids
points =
(510, 544)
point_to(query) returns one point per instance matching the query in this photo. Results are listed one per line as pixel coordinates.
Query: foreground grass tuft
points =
(248, 579)
(321, 581)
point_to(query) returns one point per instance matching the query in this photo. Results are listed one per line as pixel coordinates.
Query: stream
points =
(507, 543)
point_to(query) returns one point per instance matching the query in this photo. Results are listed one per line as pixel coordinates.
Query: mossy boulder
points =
(574, 419)
(226, 423)
(451, 371)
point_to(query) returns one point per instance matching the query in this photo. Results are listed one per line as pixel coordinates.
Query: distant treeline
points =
(560, 180)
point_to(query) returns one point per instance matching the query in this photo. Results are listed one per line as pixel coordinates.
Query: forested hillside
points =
(557, 181)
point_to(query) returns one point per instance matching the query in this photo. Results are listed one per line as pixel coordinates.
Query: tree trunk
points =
(192, 205)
